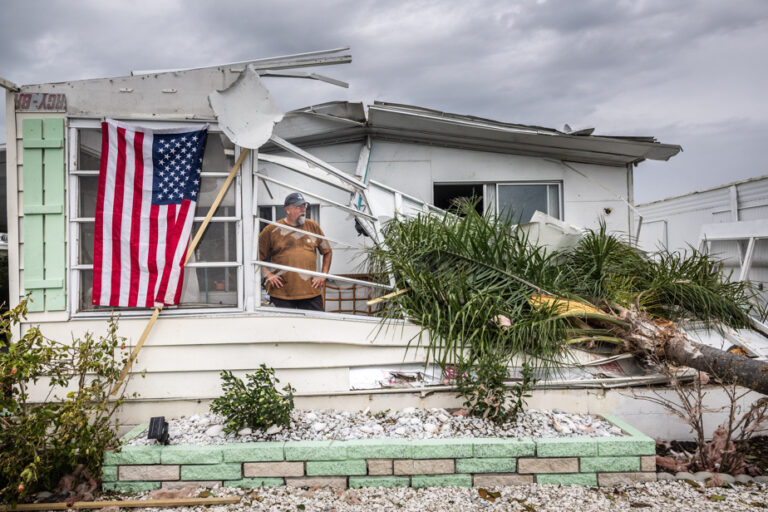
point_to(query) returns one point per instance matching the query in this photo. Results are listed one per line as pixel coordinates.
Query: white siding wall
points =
(683, 217)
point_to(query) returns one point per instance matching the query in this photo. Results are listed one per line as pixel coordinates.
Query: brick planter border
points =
(465, 462)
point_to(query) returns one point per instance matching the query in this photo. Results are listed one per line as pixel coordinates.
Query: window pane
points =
(209, 189)
(203, 287)
(554, 201)
(219, 242)
(89, 149)
(214, 287)
(89, 188)
(85, 255)
(521, 201)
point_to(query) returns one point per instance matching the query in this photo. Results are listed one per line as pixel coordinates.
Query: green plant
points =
(482, 386)
(521, 390)
(45, 436)
(256, 404)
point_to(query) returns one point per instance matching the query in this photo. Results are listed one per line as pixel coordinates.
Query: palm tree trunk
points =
(670, 344)
(750, 373)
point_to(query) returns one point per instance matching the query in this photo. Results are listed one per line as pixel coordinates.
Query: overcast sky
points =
(687, 72)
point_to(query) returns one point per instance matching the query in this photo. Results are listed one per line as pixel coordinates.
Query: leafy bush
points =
(42, 442)
(482, 385)
(257, 404)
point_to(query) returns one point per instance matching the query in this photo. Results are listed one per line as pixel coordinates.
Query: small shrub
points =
(483, 388)
(521, 390)
(257, 404)
(42, 442)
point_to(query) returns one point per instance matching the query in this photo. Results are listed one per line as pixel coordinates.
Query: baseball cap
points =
(295, 199)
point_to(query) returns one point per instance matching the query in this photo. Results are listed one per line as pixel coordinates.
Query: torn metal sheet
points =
(308, 169)
(551, 233)
(246, 111)
(394, 376)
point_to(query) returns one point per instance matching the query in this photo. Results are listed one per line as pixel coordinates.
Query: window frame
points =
(558, 183)
(74, 221)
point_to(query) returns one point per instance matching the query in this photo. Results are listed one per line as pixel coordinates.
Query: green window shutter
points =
(44, 214)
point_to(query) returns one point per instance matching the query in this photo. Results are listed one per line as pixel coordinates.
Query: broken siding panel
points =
(184, 355)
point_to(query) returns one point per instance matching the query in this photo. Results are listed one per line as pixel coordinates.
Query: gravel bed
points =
(678, 496)
(408, 423)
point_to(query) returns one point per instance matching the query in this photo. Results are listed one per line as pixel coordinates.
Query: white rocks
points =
(245, 431)
(664, 495)
(408, 410)
(215, 431)
(700, 476)
(665, 476)
(411, 423)
(743, 479)
(274, 429)
(725, 478)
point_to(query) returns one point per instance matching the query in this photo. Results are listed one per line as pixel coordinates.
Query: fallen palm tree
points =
(478, 286)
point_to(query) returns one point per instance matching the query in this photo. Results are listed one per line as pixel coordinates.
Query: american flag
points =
(148, 186)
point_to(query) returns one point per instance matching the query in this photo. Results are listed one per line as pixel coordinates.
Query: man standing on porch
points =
(292, 248)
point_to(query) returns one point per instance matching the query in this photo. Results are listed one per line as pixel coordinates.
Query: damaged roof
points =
(338, 122)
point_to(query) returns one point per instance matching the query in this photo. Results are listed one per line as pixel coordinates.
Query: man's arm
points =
(264, 252)
(318, 282)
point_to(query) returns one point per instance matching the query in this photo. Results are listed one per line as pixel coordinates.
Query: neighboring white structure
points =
(407, 155)
(732, 219)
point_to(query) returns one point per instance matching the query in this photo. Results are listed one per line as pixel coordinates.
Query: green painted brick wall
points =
(225, 471)
(253, 452)
(567, 447)
(182, 454)
(379, 449)
(336, 467)
(493, 447)
(315, 450)
(601, 464)
(378, 481)
(568, 479)
(442, 448)
(486, 465)
(108, 473)
(419, 481)
(133, 455)
(130, 486)
(251, 483)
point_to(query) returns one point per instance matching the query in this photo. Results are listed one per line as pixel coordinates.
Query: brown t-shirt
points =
(293, 249)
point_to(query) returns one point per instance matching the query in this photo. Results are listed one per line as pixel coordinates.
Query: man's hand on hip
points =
(275, 280)
(318, 282)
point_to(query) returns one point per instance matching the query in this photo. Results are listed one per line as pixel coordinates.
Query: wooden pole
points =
(168, 502)
(222, 192)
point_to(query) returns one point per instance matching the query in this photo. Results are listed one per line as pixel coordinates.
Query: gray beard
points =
(300, 221)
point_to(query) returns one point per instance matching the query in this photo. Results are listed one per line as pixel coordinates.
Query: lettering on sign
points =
(41, 101)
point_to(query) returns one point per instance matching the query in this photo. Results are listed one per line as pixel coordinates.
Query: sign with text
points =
(41, 102)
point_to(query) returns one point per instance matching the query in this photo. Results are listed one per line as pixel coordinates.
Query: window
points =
(213, 276)
(447, 195)
(521, 200)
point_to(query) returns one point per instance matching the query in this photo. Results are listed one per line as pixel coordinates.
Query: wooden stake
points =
(190, 250)
(387, 296)
(169, 502)
(216, 202)
(135, 351)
